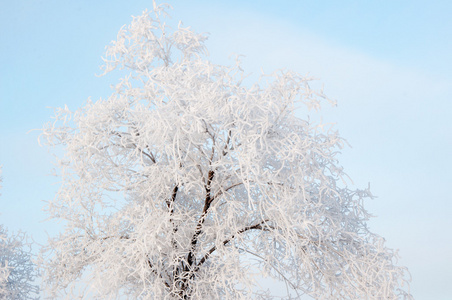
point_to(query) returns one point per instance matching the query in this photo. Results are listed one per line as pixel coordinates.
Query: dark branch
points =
(121, 237)
(205, 210)
(226, 146)
(170, 205)
(226, 241)
(150, 156)
(170, 202)
(220, 192)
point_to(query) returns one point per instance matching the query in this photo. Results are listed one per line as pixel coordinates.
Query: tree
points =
(185, 181)
(17, 271)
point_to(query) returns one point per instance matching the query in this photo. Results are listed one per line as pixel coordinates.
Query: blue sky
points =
(387, 63)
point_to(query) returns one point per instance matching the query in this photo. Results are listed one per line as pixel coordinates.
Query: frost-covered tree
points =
(17, 271)
(185, 183)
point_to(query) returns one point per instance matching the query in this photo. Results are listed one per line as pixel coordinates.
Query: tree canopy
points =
(17, 271)
(186, 180)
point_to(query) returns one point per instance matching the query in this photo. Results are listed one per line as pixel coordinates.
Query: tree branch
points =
(155, 272)
(149, 155)
(170, 202)
(170, 205)
(245, 229)
(220, 192)
(226, 146)
(201, 220)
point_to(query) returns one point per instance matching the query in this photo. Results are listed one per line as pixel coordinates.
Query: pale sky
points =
(387, 63)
